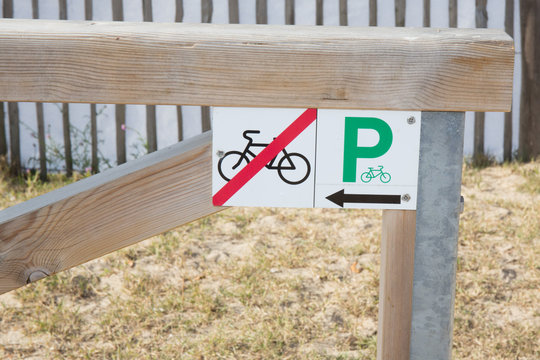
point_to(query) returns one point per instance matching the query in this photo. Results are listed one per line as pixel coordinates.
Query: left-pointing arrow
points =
(339, 198)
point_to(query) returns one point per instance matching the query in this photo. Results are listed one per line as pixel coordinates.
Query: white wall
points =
(164, 10)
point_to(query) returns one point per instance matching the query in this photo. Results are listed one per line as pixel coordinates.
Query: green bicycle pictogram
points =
(372, 173)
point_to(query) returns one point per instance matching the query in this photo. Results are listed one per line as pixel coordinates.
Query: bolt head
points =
(411, 120)
(220, 153)
(406, 197)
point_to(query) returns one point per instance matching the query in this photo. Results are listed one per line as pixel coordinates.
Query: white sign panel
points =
(315, 158)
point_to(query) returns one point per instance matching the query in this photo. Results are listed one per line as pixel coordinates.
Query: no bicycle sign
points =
(315, 158)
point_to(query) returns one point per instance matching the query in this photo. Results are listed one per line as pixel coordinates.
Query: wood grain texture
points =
(396, 284)
(250, 65)
(106, 212)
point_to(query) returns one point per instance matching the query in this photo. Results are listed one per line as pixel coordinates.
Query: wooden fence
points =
(529, 137)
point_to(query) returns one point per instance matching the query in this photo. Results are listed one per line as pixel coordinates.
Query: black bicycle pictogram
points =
(292, 168)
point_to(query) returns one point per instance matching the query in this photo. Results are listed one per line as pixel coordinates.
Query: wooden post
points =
(39, 118)
(479, 117)
(207, 9)
(289, 12)
(400, 12)
(88, 15)
(7, 11)
(62, 7)
(234, 14)
(529, 120)
(372, 12)
(509, 28)
(395, 284)
(3, 142)
(319, 13)
(343, 13)
(14, 137)
(179, 17)
(452, 13)
(427, 13)
(120, 109)
(261, 12)
(151, 125)
(41, 142)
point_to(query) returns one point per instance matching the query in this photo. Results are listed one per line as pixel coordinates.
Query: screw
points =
(406, 197)
(411, 120)
(220, 153)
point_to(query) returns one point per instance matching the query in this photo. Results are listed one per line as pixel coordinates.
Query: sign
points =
(315, 158)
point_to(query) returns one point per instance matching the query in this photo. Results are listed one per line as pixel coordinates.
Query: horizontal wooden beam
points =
(256, 65)
(105, 212)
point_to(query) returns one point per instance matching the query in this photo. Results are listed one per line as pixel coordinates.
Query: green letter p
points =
(352, 151)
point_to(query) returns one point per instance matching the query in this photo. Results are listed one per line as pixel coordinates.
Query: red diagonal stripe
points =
(264, 157)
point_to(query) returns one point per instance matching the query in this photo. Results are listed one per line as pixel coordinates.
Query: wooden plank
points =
(319, 12)
(151, 128)
(3, 139)
(507, 140)
(106, 212)
(120, 116)
(234, 13)
(67, 140)
(250, 65)
(400, 12)
(427, 13)
(452, 13)
(40, 119)
(179, 14)
(479, 117)
(372, 12)
(207, 10)
(261, 12)
(179, 118)
(529, 121)
(343, 13)
(289, 12)
(117, 10)
(94, 139)
(7, 12)
(396, 284)
(41, 142)
(14, 139)
(120, 109)
(151, 121)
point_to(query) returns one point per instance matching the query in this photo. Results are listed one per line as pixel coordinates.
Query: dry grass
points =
(281, 284)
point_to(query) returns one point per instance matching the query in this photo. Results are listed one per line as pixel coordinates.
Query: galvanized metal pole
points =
(435, 253)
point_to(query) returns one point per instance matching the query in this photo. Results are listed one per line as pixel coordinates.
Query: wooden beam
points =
(250, 65)
(396, 284)
(480, 117)
(106, 212)
(508, 131)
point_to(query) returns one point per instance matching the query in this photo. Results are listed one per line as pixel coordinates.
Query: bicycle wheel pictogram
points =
(294, 168)
(231, 164)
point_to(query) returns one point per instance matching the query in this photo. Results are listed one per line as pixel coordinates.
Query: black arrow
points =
(339, 198)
